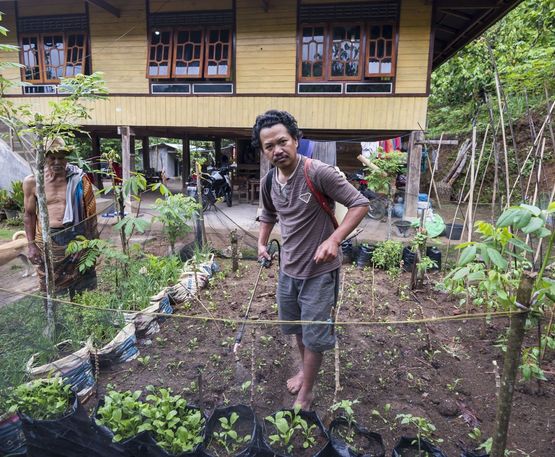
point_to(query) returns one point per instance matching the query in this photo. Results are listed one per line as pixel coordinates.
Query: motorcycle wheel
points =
(205, 203)
(229, 198)
(376, 210)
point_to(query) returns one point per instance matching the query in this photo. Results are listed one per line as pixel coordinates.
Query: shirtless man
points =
(68, 218)
(55, 187)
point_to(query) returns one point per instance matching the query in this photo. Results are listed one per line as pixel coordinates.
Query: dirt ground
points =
(444, 372)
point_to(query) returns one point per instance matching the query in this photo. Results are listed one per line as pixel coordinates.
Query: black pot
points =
(374, 446)
(365, 253)
(435, 254)
(409, 258)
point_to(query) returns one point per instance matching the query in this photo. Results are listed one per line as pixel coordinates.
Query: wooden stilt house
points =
(195, 69)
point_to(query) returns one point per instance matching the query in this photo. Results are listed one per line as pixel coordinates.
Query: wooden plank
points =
(36, 8)
(164, 6)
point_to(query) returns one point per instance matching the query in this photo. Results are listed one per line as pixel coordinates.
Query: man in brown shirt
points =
(310, 254)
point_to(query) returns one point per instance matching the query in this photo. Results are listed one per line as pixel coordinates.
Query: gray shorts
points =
(309, 300)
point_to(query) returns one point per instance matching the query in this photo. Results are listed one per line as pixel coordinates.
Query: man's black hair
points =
(271, 118)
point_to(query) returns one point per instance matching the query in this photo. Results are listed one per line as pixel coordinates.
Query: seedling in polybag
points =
(346, 406)
(122, 414)
(425, 428)
(286, 424)
(40, 399)
(228, 437)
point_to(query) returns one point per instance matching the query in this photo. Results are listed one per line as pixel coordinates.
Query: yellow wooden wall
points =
(165, 6)
(266, 47)
(413, 52)
(8, 21)
(119, 46)
(49, 7)
(353, 113)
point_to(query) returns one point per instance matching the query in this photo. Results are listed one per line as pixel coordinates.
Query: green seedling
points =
(40, 399)
(346, 409)
(286, 424)
(246, 386)
(144, 361)
(424, 427)
(228, 438)
(122, 414)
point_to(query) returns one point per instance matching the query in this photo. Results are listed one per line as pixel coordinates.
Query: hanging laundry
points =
(325, 152)
(306, 147)
(369, 149)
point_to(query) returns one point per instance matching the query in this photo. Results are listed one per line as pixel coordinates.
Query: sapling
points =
(346, 406)
(424, 427)
(122, 414)
(228, 438)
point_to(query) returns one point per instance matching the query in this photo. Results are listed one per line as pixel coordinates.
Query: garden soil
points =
(446, 372)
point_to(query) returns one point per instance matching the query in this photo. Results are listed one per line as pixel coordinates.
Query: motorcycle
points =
(378, 203)
(216, 184)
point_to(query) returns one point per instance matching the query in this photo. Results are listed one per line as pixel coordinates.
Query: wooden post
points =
(146, 153)
(125, 133)
(472, 185)
(185, 164)
(218, 151)
(132, 167)
(413, 175)
(234, 253)
(95, 158)
(264, 168)
(510, 367)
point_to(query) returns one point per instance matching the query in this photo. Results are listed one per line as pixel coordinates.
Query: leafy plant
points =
(286, 424)
(388, 254)
(228, 438)
(43, 399)
(175, 213)
(122, 413)
(346, 406)
(176, 427)
(424, 427)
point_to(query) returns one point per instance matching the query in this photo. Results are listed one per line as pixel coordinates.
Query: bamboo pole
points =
(433, 171)
(499, 106)
(479, 157)
(472, 184)
(495, 162)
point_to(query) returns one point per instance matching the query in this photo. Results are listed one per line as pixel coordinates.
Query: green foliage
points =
(91, 250)
(388, 165)
(524, 48)
(43, 399)
(346, 406)
(287, 424)
(122, 414)
(175, 213)
(388, 254)
(175, 426)
(15, 199)
(228, 438)
(425, 429)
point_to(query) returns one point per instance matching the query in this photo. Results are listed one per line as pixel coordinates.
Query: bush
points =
(388, 254)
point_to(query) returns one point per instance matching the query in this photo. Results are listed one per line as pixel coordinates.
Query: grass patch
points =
(6, 233)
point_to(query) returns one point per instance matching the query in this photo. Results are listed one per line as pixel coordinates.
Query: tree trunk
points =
(510, 368)
(234, 253)
(44, 221)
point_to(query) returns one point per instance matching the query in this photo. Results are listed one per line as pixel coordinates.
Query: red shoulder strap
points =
(320, 198)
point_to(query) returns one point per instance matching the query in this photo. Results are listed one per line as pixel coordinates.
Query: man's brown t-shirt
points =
(303, 223)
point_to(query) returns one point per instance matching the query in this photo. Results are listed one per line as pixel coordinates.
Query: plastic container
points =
(435, 254)
(398, 210)
(423, 197)
(365, 255)
(453, 231)
(408, 258)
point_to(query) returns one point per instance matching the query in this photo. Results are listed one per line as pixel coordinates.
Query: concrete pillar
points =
(413, 175)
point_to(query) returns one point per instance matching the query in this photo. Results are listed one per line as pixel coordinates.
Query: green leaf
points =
(534, 224)
(461, 273)
(477, 276)
(533, 209)
(551, 208)
(520, 244)
(467, 255)
(507, 218)
(497, 259)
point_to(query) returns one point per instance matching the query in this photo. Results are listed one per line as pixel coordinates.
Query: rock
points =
(448, 408)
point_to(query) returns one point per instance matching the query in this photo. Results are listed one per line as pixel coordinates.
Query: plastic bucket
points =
(365, 255)
(453, 231)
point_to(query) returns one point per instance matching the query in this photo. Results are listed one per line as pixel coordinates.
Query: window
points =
(346, 51)
(47, 57)
(190, 53)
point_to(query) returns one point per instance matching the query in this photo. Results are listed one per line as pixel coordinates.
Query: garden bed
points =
(441, 372)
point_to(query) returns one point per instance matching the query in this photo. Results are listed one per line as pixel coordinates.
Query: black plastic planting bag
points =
(310, 416)
(373, 442)
(408, 447)
(73, 435)
(473, 454)
(12, 440)
(143, 444)
(246, 421)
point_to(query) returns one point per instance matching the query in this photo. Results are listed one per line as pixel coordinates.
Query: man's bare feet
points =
(295, 383)
(304, 400)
